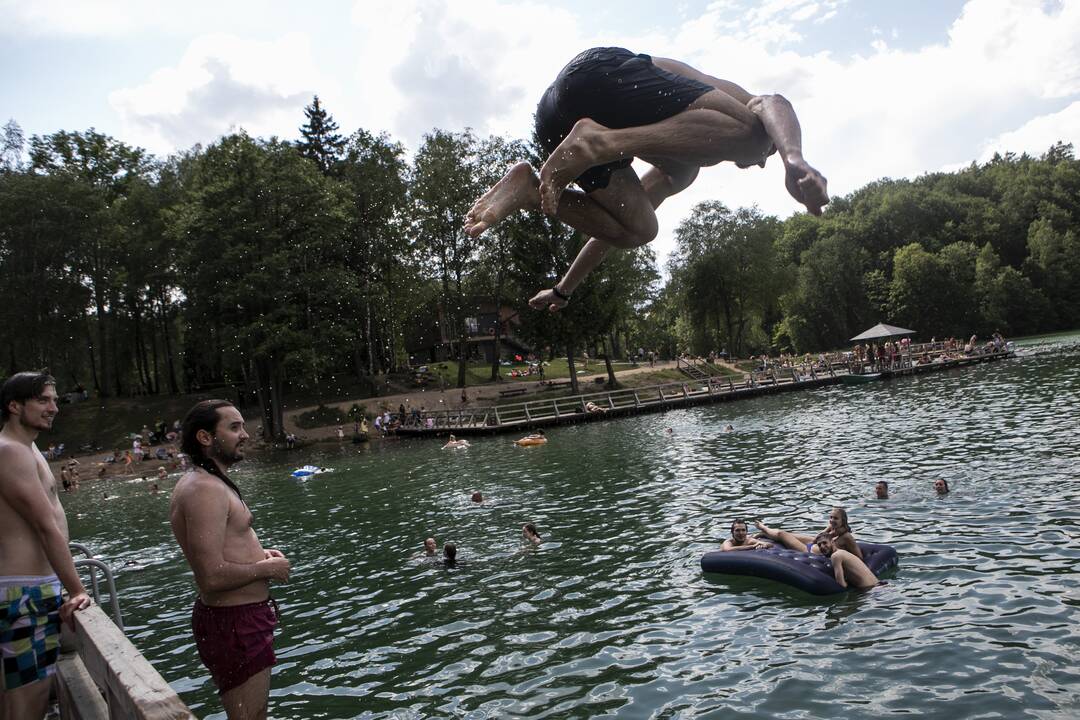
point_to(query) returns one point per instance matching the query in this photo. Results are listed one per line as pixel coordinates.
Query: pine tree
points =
(321, 141)
(11, 146)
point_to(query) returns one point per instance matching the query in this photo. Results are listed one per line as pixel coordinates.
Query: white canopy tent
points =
(882, 331)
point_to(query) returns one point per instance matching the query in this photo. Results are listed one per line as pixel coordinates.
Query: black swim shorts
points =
(617, 89)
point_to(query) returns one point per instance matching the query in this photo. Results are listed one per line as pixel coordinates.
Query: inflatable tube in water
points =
(531, 441)
(806, 571)
(308, 471)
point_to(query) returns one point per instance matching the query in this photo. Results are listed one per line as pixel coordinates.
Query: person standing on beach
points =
(34, 556)
(234, 616)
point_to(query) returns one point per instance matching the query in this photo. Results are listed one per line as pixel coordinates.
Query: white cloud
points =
(419, 64)
(87, 17)
(220, 84)
(481, 64)
(116, 18)
(1037, 135)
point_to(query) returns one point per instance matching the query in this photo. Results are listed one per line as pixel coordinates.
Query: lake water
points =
(611, 616)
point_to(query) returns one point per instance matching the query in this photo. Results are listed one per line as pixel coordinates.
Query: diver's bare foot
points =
(516, 191)
(575, 154)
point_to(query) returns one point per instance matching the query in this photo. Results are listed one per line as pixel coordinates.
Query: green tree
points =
(264, 269)
(374, 170)
(43, 321)
(446, 180)
(12, 143)
(321, 142)
(827, 303)
(108, 168)
(725, 267)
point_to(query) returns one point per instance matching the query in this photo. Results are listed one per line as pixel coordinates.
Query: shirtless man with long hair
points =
(234, 616)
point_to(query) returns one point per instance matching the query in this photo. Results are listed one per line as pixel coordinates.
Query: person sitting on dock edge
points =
(234, 616)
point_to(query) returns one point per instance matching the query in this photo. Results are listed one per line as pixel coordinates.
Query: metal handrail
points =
(114, 602)
(93, 565)
(79, 547)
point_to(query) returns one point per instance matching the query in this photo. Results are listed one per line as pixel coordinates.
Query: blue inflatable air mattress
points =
(812, 573)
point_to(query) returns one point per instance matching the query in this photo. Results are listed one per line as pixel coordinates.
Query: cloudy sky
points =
(883, 89)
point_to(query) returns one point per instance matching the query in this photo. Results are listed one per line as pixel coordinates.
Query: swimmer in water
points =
(739, 540)
(881, 490)
(941, 487)
(453, 442)
(848, 570)
(837, 529)
(529, 534)
(450, 554)
(477, 497)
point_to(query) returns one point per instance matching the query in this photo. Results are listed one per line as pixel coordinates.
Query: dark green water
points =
(612, 616)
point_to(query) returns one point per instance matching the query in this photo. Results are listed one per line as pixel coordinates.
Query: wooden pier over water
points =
(695, 390)
(102, 676)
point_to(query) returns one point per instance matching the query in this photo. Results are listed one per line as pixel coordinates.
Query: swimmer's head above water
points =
(738, 531)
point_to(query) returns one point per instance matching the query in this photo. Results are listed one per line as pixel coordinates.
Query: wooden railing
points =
(102, 676)
(548, 409)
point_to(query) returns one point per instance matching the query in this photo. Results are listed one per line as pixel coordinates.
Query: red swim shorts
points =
(235, 642)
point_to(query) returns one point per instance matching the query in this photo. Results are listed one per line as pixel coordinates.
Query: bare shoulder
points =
(17, 462)
(197, 487)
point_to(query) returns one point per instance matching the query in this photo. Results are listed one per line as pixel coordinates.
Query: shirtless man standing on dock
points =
(608, 106)
(34, 556)
(234, 616)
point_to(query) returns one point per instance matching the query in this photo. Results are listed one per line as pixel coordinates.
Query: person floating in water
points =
(848, 570)
(739, 540)
(881, 490)
(529, 534)
(609, 106)
(941, 487)
(838, 530)
(450, 554)
(453, 443)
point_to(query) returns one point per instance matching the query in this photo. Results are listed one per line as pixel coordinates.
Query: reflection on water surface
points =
(611, 615)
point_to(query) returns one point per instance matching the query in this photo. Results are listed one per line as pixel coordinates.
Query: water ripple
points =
(611, 616)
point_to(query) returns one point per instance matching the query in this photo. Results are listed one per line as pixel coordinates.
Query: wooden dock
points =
(693, 391)
(102, 676)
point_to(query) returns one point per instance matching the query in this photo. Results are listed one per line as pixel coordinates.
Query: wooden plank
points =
(78, 696)
(132, 687)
